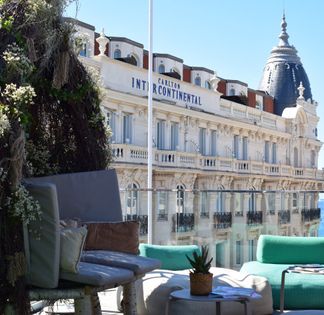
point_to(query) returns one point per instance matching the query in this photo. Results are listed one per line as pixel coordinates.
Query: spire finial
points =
(102, 40)
(301, 90)
(283, 35)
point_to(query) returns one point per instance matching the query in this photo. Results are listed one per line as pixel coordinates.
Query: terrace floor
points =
(109, 306)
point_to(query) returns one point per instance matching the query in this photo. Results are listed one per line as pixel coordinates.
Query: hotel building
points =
(212, 137)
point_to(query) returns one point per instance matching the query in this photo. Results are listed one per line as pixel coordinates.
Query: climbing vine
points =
(50, 122)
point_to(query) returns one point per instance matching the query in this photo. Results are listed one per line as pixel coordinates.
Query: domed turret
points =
(283, 73)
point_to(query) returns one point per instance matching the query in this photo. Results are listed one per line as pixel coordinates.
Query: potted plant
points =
(201, 280)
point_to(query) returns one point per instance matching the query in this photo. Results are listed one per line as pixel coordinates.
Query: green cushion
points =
(302, 291)
(171, 257)
(290, 250)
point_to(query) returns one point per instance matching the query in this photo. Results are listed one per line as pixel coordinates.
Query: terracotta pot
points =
(200, 283)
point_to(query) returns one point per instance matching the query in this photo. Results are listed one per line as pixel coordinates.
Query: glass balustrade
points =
(228, 221)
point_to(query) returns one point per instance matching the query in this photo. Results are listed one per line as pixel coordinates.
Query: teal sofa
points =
(276, 253)
(172, 257)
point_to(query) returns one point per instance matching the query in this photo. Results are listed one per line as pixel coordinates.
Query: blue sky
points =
(232, 37)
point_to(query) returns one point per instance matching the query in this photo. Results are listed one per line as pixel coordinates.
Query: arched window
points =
(117, 53)
(231, 92)
(132, 200)
(207, 85)
(198, 81)
(161, 68)
(83, 51)
(180, 199)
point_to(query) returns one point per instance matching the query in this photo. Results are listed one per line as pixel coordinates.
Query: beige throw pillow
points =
(72, 240)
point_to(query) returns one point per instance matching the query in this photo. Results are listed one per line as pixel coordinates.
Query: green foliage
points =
(200, 262)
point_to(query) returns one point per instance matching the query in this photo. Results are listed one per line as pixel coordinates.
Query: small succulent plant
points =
(200, 262)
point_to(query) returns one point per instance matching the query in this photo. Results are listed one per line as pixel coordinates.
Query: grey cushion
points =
(138, 264)
(90, 196)
(99, 275)
(44, 239)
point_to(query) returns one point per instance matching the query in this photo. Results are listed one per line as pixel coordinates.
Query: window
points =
(204, 204)
(180, 199)
(174, 136)
(271, 202)
(111, 122)
(296, 157)
(220, 255)
(127, 128)
(161, 68)
(236, 147)
(251, 250)
(295, 200)
(162, 206)
(267, 152)
(245, 148)
(117, 53)
(238, 256)
(83, 51)
(282, 201)
(132, 200)
(274, 153)
(213, 139)
(220, 200)
(207, 85)
(198, 81)
(313, 158)
(232, 92)
(252, 202)
(202, 141)
(160, 134)
(312, 201)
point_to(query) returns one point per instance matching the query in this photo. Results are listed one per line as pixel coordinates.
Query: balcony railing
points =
(141, 219)
(254, 217)
(138, 155)
(183, 222)
(283, 217)
(222, 220)
(181, 218)
(308, 215)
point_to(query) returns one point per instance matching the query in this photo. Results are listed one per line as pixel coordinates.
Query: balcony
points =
(222, 220)
(128, 153)
(192, 225)
(254, 218)
(141, 219)
(309, 215)
(183, 222)
(283, 217)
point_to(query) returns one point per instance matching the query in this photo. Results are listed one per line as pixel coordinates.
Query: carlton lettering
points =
(167, 88)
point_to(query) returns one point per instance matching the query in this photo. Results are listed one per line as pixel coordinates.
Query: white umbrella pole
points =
(149, 125)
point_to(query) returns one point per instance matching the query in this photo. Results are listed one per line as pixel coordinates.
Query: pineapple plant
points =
(201, 280)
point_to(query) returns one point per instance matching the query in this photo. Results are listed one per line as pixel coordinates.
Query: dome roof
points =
(283, 73)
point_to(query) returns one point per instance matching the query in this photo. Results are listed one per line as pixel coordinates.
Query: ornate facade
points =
(217, 145)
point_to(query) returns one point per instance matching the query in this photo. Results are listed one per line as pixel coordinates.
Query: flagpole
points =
(149, 124)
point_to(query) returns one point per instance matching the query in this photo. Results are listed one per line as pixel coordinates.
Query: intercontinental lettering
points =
(167, 88)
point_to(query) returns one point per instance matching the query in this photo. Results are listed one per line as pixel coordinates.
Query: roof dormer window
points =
(161, 68)
(117, 53)
(197, 81)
